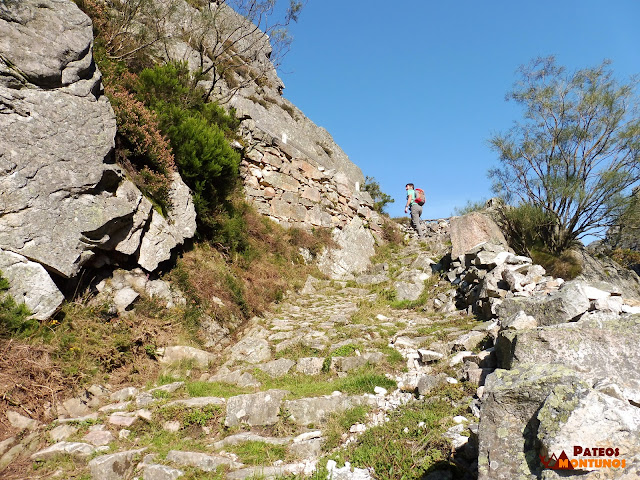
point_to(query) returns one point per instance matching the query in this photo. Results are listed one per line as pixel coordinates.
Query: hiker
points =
(415, 208)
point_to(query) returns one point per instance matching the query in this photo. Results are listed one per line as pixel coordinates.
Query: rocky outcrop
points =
(63, 202)
(472, 230)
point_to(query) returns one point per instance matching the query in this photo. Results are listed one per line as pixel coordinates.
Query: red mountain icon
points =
(563, 463)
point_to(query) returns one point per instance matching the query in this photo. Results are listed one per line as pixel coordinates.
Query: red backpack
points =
(420, 198)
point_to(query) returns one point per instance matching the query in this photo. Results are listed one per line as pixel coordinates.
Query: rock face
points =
(293, 171)
(473, 229)
(62, 200)
(356, 246)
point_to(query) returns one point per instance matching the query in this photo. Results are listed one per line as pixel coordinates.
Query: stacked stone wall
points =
(295, 191)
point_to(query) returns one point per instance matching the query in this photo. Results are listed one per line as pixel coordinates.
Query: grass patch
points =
(340, 422)
(214, 389)
(409, 444)
(297, 351)
(258, 453)
(362, 380)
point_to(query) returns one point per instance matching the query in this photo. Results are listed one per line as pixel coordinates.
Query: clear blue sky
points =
(412, 90)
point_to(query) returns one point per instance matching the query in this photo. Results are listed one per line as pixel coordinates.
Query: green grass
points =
(395, 453)
(339, 423)
(360, 381)
(258, 453)
(297, 351)
(215, 389)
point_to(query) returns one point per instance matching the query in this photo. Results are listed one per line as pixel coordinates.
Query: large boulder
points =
(598, 346)
(604, 273)
(473, 229)
(356, 246)
(567, 303)
(508, 431)
(30, 284)
(63, 202)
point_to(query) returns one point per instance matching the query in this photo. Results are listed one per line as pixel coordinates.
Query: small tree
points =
(576, 153)
(380, 199)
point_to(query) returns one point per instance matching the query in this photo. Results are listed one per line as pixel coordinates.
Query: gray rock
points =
(62, 432)
(356, 247)
(305, 411)
(277, 368)
(73, 449)
(201, 461)
(590, 418)
(473, 229)
(178, 353)
(468, 341)
(429, 356)
(237, 377)
(115, 466)
(310, 365)
(427, 383)
(99, 437)
(518, 321)
(20, 421)
(346, 364)
(508, 429)
(408, 290)
(124, 298)
(251, 350)
(307, 449)
(29, 283)
(123, 394)
(566, 304)
(250, 437)
(198, 402)
(596, 347)
(161, 472)
(260, 408)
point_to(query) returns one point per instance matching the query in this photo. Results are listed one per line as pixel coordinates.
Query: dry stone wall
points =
(295, 190)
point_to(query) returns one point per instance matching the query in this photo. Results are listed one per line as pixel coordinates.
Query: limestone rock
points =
(252, 350)
(356, 247)
(596, 347)
(588, 419)
(277, 368)
(507, 433)
(177, 353)
(202, 461)
(73, 449)
(566, 304)
(314, 410)
(309, 365)
(29, 283)
(115, 466)
(161, 472)
(472, 229)
(255, 409)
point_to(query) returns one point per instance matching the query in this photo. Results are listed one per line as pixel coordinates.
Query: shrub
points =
(141, 147)
(14, 318)
(469, 207)
(565, 265)
(525, 226)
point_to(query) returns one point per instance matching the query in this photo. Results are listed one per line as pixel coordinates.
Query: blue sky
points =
(412, 90)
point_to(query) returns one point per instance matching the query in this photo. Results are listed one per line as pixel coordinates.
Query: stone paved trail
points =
(262, 408)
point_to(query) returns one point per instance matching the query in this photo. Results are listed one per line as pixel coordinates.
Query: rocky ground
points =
(280, 400)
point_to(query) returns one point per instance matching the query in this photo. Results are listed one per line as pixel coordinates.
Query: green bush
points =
(526, 227)
(198, 133)
(14, 318)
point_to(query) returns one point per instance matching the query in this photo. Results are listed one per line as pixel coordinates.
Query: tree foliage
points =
(380, 199)
(575, 154)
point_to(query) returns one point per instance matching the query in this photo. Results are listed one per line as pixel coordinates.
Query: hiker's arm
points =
(406, 207)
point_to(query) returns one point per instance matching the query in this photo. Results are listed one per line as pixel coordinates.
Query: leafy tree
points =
(380, 199)
(575, 154)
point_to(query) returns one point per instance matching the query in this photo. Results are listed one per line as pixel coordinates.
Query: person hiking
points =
(415, 209)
